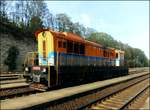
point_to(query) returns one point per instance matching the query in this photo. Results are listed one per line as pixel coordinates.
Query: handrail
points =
(30, 58)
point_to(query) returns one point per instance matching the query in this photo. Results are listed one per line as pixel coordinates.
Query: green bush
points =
(13, 53)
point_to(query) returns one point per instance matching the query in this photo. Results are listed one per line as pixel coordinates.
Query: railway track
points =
(16, 92)
(10, 78)
(123, 99)
(88, 101)
(12, 81)
(13, 85)
(16, 89)
(81, 97)
(137, 70)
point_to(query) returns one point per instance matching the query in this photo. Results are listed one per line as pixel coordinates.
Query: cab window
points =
(64, 44)
(59, 44)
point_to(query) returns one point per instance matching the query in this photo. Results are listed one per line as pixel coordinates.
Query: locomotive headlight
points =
(26, 69)
(44, 70)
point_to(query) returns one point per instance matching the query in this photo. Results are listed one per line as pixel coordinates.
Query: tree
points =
(26, 10)
(29, 16)
(134, 57)
(63, 22)
(35, 24)
(13, 53)
(3, 10)
(89, 31)
(49, 20)
(102, 38)
(76, 28)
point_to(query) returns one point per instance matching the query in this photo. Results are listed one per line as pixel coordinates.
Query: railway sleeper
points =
(106, 107)
(115, 102)
(110, 104)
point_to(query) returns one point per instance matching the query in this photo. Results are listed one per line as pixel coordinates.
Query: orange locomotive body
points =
(69, 59)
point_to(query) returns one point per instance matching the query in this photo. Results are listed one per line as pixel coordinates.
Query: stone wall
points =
(24, 46)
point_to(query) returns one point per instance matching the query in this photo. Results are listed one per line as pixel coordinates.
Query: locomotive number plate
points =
(36, 68)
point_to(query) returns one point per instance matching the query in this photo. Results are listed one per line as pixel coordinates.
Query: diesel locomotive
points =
(64, 58)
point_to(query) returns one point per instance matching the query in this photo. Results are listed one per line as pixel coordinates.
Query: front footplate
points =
(38, 86)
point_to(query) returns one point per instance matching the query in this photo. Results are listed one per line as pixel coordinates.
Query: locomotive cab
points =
(39, 66)
(119, 58)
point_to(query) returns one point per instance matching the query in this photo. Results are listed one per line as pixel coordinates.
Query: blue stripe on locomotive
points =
(75, 56)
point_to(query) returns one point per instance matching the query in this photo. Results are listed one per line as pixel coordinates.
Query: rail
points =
(132, 99)
(122, 99)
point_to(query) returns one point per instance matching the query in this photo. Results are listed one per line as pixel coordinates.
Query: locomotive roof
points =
(70, 36)
(93, 43)
(64, 35)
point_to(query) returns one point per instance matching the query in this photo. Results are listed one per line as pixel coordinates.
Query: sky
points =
(125, 21)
